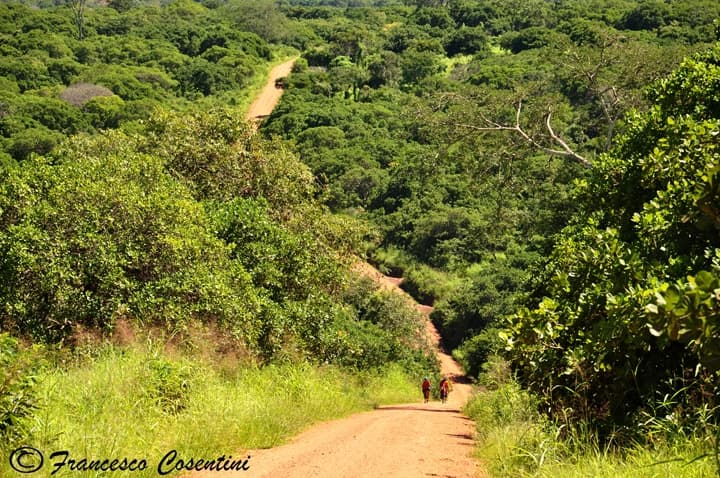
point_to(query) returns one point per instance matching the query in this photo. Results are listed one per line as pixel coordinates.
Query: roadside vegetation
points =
(544, 175)
(144, 400)
(172, 220)
(192, 223)
(515, 438)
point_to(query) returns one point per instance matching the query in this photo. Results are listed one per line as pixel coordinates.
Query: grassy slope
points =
(139, 403)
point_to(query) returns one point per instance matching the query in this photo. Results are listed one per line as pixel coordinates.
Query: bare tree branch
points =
(565, 151)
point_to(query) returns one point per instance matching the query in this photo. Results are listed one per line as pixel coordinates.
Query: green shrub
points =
(378, 327)
(475, 351)
(490, 293)
(468, 41)
(390, 260)
(427, 284)
(19, 370)
(285, 263)
(102, 231)
(38, 140)
(514, 439)
(105, 111)
(300, 65)
(220, 158)
(626, 308)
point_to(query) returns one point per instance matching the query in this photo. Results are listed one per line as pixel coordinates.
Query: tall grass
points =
(427, 284)
(514, 440)
(390, 260)
(142, 404)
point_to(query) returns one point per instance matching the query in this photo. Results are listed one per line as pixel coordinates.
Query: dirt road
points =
(270, 94)
(409, 440)
(448, 365)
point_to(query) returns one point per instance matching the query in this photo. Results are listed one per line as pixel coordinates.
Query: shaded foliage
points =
(627, 315)
(141, 54)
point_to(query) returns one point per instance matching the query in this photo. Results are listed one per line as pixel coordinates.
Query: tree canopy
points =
(533, 171)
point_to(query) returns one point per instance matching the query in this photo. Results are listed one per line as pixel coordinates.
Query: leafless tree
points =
(564, 149)
(78, 9)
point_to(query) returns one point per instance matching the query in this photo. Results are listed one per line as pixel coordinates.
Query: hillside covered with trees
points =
(543, 173)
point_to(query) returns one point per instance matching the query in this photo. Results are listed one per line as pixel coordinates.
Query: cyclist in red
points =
(445, 388)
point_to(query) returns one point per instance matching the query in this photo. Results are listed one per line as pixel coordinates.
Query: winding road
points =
(408, 440)
(397, 441)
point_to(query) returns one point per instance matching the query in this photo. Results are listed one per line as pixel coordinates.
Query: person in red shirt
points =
(426, 389)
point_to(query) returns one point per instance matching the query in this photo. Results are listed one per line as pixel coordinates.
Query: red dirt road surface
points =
(270, 94)
(408, 440)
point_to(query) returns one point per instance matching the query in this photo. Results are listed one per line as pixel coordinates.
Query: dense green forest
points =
(135, 197)
(545, 174)
(470, 138)
(545, 177)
